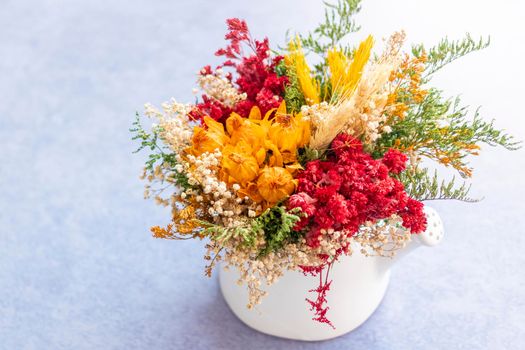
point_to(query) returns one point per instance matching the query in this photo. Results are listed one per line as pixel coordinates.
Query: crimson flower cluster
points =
(256, 75)
(351, 188)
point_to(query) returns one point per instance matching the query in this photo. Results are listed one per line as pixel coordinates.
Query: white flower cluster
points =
(174, 125)
(383, 238)
(369, 101)
(317, 113)
(220, 88)
(254, 269)
(330, 241)
(225, 206)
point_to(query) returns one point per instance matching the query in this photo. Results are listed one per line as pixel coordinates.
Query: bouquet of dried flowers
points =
(282, 165)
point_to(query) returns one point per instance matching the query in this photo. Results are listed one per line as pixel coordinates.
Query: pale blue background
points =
(78, 268)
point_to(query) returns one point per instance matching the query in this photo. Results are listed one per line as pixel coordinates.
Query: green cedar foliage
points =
(277, 223)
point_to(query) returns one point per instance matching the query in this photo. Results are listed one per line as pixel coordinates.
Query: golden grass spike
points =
(338, 64)
(345, 75)
(297, 61)
(345, 78)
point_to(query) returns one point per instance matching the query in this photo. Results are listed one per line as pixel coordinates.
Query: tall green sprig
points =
(447, 51)
(158, 155)
(338, 22)
(293, 94)
(441, 129)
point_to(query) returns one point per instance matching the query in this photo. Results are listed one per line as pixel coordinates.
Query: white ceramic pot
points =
(359, 284)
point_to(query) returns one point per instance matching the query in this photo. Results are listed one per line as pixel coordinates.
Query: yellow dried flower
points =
(239, 163)
(251, 145)
(242, 129)
(289, 132)
(275, 184)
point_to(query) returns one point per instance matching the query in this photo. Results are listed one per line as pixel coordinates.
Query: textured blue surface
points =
(78, 268)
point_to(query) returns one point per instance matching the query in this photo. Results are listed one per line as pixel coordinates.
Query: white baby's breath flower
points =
(218, 87)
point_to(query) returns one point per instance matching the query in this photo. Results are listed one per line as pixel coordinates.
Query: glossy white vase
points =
(358, 286)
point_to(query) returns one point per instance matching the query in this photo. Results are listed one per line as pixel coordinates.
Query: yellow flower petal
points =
(275, 157)
(282, 108)
(289, 132)
(260, 155)
(208, 140)
(234, 123)
(255, 113)
(292, 169)
(252, 191)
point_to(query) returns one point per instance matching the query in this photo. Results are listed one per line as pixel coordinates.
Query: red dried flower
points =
(243, 108)
(306, 203)
(353, 188)
(256, 73)
(256, 76)
(318, 306)
(395, 161)
(345, 143)
(414, 217)
(266, 100)
(206, 70)
(212, 108)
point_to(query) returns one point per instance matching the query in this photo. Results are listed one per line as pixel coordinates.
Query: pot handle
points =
(432, 236)
(434, 232)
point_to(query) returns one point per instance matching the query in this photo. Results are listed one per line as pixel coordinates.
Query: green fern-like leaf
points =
(447, 51)
(159, 155)
(420, 185)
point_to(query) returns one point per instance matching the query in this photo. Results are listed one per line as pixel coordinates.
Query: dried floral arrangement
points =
(282, 165)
